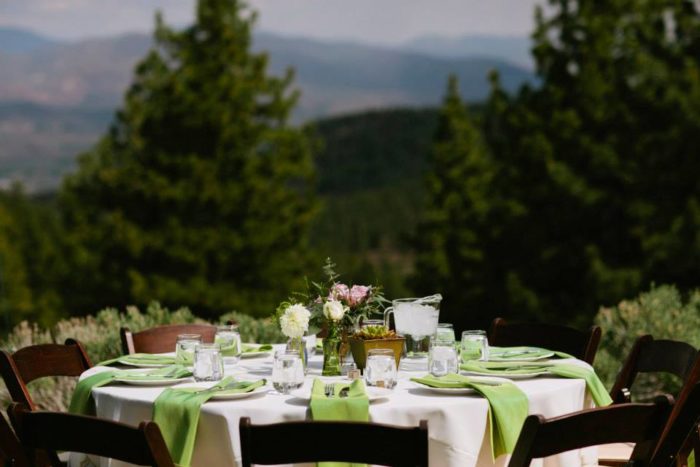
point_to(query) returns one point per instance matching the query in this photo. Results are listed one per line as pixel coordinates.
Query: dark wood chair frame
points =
(55, 431)
(161, 339)
(654, 356)
(581, 344)
(638, 423)
(397, 446)
(679, 436)
(11, 451)
(38, 361)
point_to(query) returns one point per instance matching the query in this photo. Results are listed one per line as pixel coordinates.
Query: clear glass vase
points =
(296, 344)
(331, 352)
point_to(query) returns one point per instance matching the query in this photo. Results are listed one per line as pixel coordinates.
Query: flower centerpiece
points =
(337, 308)
(294, 322)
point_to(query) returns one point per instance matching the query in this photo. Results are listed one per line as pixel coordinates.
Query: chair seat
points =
(615, 453)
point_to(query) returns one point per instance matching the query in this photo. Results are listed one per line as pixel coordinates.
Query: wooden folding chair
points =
(654, 356)
(679, 436)
(11, 451)
(372, 443)
(54, 431)
(651, 356)
(580, 344)
(638, 423)
(161, 339)
(38, 361)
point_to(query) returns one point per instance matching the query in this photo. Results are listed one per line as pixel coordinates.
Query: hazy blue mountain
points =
(14, 40)
(56, 99)
(512, 49)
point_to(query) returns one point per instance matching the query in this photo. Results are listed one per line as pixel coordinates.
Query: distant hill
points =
(57, 98)
(334, 77)
(13, 40)
(511, 49)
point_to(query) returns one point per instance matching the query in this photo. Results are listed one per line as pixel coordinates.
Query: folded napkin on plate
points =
(565, 370)
(141, 359)
(351, 407)
(508, 407)
(82, 402)
(515, 353)
(257, 348)
(176, 411)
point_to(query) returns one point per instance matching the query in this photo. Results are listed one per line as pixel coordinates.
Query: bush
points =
(100, 336)
(660, 312)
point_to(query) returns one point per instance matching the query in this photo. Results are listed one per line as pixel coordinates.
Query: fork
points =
(328, 389)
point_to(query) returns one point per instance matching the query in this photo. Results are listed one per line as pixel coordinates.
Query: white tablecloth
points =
(457, 424)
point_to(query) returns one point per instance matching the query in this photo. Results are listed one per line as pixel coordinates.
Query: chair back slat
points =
(398, 447)
(39, 361)
(161, 339)
(667, 356)
(581, 344)
(634, 423)
(55, 431)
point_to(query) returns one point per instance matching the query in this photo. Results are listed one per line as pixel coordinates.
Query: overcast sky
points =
(374, 21)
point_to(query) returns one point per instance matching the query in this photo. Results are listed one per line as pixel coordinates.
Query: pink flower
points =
(339, 292)
(358, 294)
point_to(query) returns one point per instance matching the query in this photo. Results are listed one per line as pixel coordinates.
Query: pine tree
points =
(201, 193)
(455, 234)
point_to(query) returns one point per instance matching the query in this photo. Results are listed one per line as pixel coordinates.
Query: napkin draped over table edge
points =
(508, 408)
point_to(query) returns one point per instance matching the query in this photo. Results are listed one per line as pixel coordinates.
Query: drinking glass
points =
(380, 369)
(208, 364)
(474, 346)
(230, 341)
(310, 343)
(287, 371)
(445, 334)
(184, 348)
(442, 359)
(371, 322)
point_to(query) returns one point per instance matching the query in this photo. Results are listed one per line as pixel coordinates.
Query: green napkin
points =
(176, 411)
(353, 407)
(82, 402)
(508, 407)
(256, 348)
(565, 370)
(141, 359)
(515, 353)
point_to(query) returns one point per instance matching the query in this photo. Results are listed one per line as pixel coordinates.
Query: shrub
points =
(100, 336)
(660, 312)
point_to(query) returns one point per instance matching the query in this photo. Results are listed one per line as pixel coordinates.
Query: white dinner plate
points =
(152, 382)
(373, 393)
(460, 391)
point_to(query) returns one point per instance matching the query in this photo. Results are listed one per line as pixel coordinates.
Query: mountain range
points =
(56, 97)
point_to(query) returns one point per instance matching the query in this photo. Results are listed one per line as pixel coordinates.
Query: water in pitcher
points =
(417, 320)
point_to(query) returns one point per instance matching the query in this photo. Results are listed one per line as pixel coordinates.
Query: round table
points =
(457, 424)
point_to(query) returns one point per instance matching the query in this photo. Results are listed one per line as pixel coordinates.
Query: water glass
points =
(442, 359)
(230, 341)
(310, 344)
(287, 371)
(380, 369)
(474, 346)
(208, 364)
(184, 348)
(371, 322)
(445, 334)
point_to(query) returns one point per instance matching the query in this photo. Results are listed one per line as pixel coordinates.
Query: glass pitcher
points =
(416, 319)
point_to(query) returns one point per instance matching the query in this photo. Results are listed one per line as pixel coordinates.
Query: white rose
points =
(333, 310)
(295, 320)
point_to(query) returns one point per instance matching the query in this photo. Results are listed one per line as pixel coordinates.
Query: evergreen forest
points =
(547, 203)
